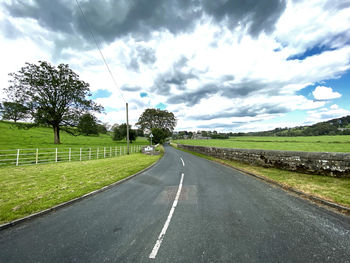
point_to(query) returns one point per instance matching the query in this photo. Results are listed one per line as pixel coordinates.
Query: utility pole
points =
(127, 128)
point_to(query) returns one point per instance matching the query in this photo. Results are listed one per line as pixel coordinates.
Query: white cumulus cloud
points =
(325, 93)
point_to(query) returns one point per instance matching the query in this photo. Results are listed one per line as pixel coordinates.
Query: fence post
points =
(90, 154)
(56, 155)
(17, 160)
(80, 154)
(120, 152)
(69, 154)
(104, 152)
(115, 151)
(124, 150)
(98, 148)
(37, 156)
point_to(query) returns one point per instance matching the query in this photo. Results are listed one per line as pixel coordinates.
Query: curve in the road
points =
(221, 215)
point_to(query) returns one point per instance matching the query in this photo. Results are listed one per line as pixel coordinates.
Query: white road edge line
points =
(167, 222)
(183, 163)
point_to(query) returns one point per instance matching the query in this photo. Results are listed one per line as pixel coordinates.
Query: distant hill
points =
(339, 126)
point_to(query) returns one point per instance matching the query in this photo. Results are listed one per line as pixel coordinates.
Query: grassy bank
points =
(338, 143)
(336, 190)
(30, 189)
(42, 137)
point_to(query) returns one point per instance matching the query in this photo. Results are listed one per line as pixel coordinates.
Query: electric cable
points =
(99, 49)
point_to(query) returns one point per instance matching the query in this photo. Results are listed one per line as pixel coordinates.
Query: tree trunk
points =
(56, 131)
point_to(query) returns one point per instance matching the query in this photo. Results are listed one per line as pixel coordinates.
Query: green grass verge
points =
(336, 190)
(338, 143)
(30, 189)
(42, 137)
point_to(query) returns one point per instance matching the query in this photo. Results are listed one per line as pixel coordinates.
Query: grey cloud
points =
(138, 103)
(9, 30)
(112, 19)
(224, 87)
(139, 55)
(256, 16)
(129, 88)
(249, 87)
(193, 98)
(245, 111)
(53, 15)
(134, 64)
(146, 55)
(175, 76)
(227, 78)
(219, 125)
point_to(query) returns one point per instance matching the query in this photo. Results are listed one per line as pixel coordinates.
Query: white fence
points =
(53, 155)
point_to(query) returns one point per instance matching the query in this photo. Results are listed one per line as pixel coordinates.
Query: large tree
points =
(13, 111)
(55, 96)
(156, 118)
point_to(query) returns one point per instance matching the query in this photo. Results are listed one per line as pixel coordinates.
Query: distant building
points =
(198, 136)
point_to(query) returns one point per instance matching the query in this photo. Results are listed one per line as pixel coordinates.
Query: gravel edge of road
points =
(56, 207)
(315, 200)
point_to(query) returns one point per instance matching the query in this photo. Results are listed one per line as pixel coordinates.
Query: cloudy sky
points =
(240, 65)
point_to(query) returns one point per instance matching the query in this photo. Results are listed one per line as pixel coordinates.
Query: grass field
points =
(329, 188)
(339, 143)
(13, 138)
(30, 189)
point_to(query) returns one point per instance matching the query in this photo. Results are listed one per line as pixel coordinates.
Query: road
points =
(184, 209)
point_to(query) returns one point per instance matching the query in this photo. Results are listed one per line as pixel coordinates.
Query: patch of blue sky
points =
(316, 50)
(111, 109)
(341, 85)
(161, 106)
(101, 93)
(143, 94)
(296, 116)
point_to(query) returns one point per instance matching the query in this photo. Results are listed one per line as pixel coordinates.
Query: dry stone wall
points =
(322, 163)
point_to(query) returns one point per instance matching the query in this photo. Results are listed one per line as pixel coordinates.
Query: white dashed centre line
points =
(167, 222)
(183, 163)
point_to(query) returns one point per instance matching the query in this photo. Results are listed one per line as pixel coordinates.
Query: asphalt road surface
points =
(184, 209)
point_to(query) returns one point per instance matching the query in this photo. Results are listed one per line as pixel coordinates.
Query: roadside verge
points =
(326, 191)
(110, 176)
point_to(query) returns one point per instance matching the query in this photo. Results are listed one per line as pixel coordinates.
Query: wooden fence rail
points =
(19, 157)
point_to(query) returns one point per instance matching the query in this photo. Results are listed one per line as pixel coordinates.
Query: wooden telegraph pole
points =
(127, 128)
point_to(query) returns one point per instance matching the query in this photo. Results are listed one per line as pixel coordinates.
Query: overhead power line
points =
(99, 49)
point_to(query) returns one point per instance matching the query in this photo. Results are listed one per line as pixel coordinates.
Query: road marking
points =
(167, 222)
(183, 163)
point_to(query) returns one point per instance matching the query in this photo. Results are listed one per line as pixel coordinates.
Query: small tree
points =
(102, 128)
(119, 133)
(54, 96)
(13, 111)
(88, 124)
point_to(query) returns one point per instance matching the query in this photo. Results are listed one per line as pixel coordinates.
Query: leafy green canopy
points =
(54, 96)
(13, 111)
(159, 135)
(156, 118)
(119, 133)
(88, 124)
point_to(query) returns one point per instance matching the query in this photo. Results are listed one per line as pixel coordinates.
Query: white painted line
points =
(167, 222)
(183, 163)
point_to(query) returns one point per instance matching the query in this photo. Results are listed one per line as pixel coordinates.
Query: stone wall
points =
(322, 163)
